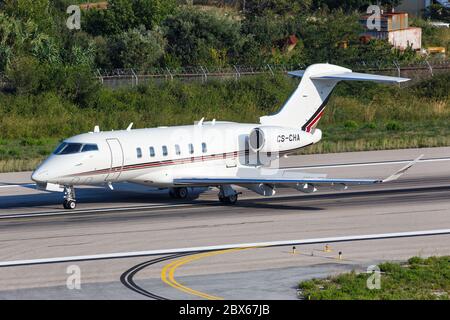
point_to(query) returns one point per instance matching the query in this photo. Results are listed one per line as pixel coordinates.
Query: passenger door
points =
(117, 159)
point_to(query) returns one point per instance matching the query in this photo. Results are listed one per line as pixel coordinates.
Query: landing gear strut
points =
(179, 193)
(227, 195)
(69, 198)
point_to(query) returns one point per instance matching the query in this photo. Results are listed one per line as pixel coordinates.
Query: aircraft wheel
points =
(182, 193)
(69, 204)
(228, 200)
(232, 199)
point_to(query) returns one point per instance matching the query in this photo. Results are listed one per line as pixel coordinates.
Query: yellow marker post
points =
(294, 250)
(327, 248)
(340, 255)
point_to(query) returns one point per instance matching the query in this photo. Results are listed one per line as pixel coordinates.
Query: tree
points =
(24, 75)
(117, 18)
(323, 33)
(136, 48)
(437, 12)
(352, 5)
(150, 13)
(192, 35)
(278, 7)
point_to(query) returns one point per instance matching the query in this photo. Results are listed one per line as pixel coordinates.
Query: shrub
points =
(393, 126)
(25, 75)
(350, 124)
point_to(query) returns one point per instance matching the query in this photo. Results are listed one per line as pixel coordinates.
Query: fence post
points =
(271, 71)
(238, 74)
(429, 67)
(170, 74)
(135, 76)
(398, 68)
(100, 76)
(205, 75)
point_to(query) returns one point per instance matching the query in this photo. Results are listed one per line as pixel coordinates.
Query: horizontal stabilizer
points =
(350, 76)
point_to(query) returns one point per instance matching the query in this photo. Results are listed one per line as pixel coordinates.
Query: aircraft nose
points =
(40, 176)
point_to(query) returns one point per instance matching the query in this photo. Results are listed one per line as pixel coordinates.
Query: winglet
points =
(400, 172)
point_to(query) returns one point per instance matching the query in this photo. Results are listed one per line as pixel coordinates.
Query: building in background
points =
(394, 27)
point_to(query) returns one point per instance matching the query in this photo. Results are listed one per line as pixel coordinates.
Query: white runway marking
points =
(223, 247)
(365, 164)
(17, 185)
(72, 212)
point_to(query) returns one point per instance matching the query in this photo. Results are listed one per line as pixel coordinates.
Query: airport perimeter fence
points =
(130, 77)
(118, 78)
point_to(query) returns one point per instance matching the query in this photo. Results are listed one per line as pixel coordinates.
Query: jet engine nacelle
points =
(278, 139)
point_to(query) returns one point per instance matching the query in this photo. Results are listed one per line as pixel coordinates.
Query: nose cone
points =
(40, 175)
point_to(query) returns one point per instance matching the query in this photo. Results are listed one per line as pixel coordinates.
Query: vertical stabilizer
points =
(307, 104)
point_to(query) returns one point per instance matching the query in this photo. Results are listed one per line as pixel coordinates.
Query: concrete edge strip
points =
(133, 254)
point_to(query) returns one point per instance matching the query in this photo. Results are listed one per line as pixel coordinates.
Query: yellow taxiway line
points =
(168, 272)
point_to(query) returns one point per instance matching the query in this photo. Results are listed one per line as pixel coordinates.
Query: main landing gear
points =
(179, 193)
(227, 195)
(69, 198)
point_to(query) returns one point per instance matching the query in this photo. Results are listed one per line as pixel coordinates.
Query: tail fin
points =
(306, 105)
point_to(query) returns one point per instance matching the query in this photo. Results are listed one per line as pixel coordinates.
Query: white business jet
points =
(208, 154)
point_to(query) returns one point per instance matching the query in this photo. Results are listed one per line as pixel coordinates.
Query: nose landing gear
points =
(69, 198)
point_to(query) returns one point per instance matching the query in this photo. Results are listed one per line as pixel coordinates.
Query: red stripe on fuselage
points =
(316, 119)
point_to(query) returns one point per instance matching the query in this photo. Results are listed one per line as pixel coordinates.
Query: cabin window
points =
(204, 148)
(89, 147)
(139, 152)
(191, 148)
(164, 150)
(177, 150)
(152, 151)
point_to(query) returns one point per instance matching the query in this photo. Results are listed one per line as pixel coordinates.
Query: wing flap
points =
(256, 180)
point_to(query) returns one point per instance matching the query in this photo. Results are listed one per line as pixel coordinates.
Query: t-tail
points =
(307, 104)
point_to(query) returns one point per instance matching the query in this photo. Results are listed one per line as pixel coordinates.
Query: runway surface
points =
(33, 225)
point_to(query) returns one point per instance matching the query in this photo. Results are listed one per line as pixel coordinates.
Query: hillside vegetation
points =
(358, 116)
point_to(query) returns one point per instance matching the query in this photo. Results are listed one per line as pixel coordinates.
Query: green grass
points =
(358, 117)
(418, 279)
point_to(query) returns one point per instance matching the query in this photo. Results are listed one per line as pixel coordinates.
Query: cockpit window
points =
(70, 148)
(89, 147)
(59, 148)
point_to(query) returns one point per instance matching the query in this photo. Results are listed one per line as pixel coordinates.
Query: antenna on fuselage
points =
(96, 129)
(200, 123)
(130, 126)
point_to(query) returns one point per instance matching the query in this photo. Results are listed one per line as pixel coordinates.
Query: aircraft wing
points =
(289, 179)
